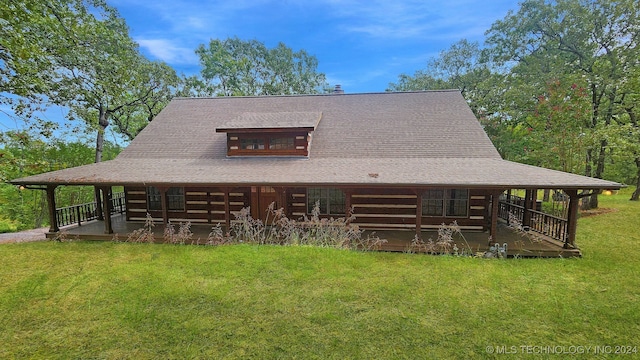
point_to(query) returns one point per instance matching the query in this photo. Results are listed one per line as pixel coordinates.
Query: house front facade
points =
(396, 161)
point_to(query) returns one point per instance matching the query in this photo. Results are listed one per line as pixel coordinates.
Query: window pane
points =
(154, 200)
(337, 202)
(175, 198)
(281, 143)
(433, 202)
(252, 144)
(457, 203)
(332, 201)
(313, 195)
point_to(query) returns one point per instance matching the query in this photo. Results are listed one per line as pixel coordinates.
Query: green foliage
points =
(147, 301)
(22, 154)
(556, 85)
(233, 67)
(579, 42)
(7, 226)
(79, 55)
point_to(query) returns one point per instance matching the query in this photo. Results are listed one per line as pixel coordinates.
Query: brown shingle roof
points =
(272, 120)
(407, 139)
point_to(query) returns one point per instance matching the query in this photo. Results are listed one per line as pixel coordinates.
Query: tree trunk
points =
(103, 121)
(584, 202)
(636, 194)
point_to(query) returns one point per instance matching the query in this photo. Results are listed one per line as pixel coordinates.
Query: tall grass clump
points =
(278, 229)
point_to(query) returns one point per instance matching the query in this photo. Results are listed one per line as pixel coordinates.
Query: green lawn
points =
(123, 300)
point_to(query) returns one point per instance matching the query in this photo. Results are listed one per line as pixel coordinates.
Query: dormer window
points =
(270, 134)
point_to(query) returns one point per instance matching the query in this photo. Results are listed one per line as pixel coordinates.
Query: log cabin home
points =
(400, 161)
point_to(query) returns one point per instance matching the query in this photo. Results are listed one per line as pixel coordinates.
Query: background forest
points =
(555, 84)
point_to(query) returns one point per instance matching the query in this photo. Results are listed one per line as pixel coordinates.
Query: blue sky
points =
(362, 45)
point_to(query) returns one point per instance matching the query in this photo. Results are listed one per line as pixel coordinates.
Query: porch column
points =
(106, 199)
(526, 217)
(99, 213)
(509, 201)
(418, 212)
(347, 202)
(495, 206)
(285, 201)
(572, 218)
(164, 201)
(53, 216)
(281, 200)
(227, 209)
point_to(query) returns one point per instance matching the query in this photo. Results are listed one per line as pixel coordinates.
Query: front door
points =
(261, 198)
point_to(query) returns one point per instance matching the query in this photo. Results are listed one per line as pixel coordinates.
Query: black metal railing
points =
(77, 214)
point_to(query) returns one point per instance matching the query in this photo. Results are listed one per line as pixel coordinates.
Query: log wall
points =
(202, 205)
(380, 209)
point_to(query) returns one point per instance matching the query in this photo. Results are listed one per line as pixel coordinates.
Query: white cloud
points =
(168, 52)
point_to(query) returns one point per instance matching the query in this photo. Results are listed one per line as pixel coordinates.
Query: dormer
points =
(270, 134)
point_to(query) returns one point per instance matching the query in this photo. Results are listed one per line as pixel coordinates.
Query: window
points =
(281, 143)
(268, 144)
(457, 203)
(331, 201)
(175, 199)
(432, 203)
(154, 199)
(252, 144)
(447, 203)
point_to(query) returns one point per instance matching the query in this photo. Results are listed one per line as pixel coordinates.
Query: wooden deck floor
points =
(529, 245)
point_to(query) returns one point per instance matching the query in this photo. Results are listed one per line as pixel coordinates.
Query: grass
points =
(123, 300)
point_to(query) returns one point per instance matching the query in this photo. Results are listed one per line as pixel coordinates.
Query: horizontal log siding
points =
(384, 208)
(202, 205)
(297, 203)
(373, 208)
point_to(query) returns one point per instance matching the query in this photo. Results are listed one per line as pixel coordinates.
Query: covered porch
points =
(522, 244)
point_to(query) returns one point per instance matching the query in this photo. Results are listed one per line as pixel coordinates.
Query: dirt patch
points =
(598, 211)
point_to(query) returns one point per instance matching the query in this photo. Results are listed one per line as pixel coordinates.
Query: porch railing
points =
(540, 222)
(77, 214)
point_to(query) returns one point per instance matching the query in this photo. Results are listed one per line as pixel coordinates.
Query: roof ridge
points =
(311, 95)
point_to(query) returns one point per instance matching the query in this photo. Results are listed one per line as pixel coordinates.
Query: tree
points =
(23, 154)
(79, 55)
(596, 41)
(234, 67)
(463, 66)
(25, 64)
(558, 128)
(102, 77)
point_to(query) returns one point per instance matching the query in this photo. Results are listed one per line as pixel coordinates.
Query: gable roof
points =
(428, 138)
(272, 120)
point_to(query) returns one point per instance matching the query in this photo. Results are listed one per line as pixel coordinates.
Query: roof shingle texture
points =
(403, 139)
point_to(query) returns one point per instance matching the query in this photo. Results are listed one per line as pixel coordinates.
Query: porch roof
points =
(412, 172)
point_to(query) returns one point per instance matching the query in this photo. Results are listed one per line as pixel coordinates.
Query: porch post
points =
(227, 210)
(495, 206)
(285, 201)
(526, 217)
(164, 203)
(106, 198)
(99, 214)
(418, 213)
(53, 216)
(509, 201)
(347, 203)
(572, 218)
